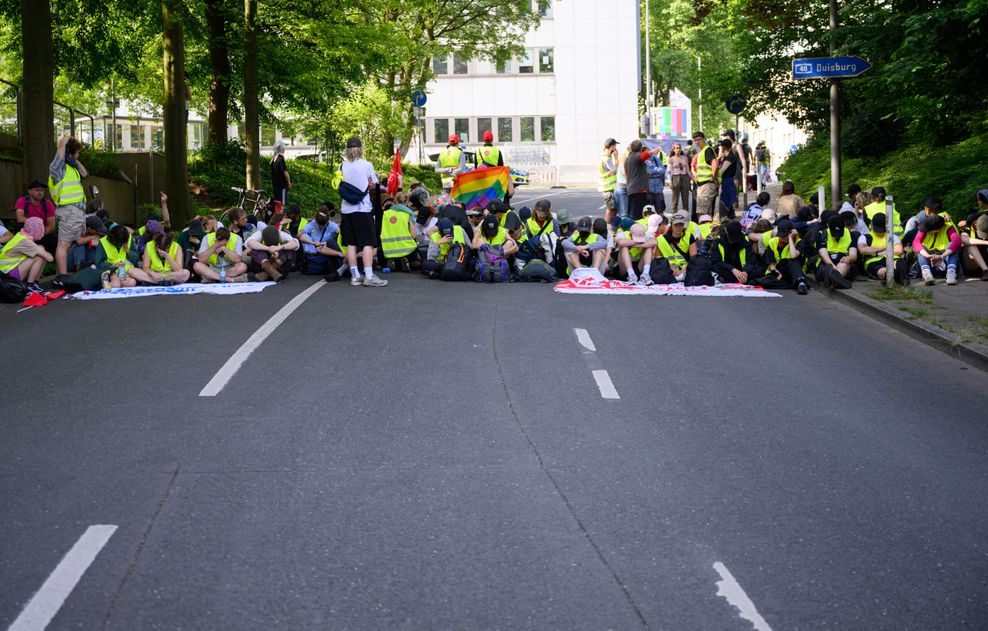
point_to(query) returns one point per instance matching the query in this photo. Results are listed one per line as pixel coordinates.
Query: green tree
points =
(173, 105)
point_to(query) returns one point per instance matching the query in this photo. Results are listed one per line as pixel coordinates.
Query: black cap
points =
(878, 223)
(836, 225)
(733, 231)
(196, 229)
(878, 191)
(353, 142)
(610, 142)
(490, 226)
(804, 214)
(95, 223)
(585, 225)
(35, 184)
(784, 226)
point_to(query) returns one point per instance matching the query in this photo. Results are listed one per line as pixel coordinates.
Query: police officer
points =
(452, 161)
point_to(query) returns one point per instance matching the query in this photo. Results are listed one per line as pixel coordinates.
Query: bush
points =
(951, 172)
(101, 163)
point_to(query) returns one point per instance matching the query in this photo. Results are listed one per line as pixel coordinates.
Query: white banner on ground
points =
(222, 289)
(586, 281)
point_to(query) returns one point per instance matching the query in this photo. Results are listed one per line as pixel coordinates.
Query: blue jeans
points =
(621, 201)
(762, 170)
(951, 262)
(728, 193)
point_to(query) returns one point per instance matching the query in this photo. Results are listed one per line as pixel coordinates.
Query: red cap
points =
(488, 136)
(454, 139)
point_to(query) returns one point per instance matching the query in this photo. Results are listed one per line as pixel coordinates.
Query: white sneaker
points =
(928, 276)
(645, 280)
(374, 281)
(951, 276)
(632, 278)
(357, 281)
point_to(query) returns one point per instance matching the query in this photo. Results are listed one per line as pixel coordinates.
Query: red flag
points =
(395, 177)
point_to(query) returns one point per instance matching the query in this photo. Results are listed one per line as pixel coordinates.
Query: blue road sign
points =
(828, 67)
(418, 98)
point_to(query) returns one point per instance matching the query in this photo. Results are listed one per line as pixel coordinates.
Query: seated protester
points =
(84, 249)
(635, 250)
(755, 211)
(677, 245)
(783, 268)
(460, 217)
(975, 239)
(320, 247)
(838, 252)
(731, 256)
(162, 263)
(425, 224)
(116, 257)
(565, 226)
(877, 205)
(398, 233)
(418, 196)
(5, 235)
(704, 226)
(474, 218)
(239, 223)
(147, 233)
(937, 244)
(295, 221)
(271, 252)
(493, 237)
(540, 238)
(210, 224)
(22, 258)
(603, 230)
(872, 250)
(400, 202)
(34, 204)
(189, 240)
(506, 218)
(220, 257)
(805, 220)
(441, 240)
(585, 248)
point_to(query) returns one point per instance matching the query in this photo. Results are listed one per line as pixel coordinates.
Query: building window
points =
(505, 130)
(440, 130)
(503, 67)
(462, 127)
(525, 64)
(459, 65)
(136, 137)
(527, 129)
(545, 60)
(545, 11)
(118, 137)
(440, 65)
(158, 138)
(548, 125)
(484, 124)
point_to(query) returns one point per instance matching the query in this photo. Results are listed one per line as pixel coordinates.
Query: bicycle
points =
(255, 202)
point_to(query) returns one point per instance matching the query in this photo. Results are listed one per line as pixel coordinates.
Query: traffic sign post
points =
(735, 104)
(828, 67)
(419, 98)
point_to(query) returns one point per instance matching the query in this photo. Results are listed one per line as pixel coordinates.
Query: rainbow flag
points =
(672, 122)
(477, 188)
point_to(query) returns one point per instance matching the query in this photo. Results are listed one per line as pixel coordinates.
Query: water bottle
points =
(122, 273)
(223, 274)
(385, 270)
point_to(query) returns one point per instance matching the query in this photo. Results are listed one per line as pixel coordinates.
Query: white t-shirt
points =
(237, 249)
(863, 240)
(358, 173)
(284, 236)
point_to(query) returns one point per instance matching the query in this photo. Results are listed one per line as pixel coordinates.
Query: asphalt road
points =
(438, 456)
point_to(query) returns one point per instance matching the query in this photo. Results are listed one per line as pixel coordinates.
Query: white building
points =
(552, 109)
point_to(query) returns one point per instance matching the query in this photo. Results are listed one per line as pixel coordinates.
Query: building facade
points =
(576, 85)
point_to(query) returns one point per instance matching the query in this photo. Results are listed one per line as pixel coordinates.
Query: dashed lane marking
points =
(43, 606)
(606, 386)
(729, 589)
(583, 337)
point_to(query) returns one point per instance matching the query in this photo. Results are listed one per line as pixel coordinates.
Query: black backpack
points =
(699, 273)
(12, 290)
(457, 265)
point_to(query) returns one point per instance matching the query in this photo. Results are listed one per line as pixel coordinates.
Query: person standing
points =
(488, 155)
(656, 167)
(681, 176)
(634, 168)
(452, 161)
(357, 225)
(706, 187)
(65, 175)
(727, 170)
(281, 179)
(607, 171)
(34, 204)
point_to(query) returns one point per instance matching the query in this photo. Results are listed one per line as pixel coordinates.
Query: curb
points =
(972, 354)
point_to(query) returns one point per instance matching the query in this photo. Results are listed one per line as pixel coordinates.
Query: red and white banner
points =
(590, 282)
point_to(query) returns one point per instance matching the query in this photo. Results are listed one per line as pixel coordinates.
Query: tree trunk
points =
(251, 105)
(176, 133)
(219, 62)
(38, 89)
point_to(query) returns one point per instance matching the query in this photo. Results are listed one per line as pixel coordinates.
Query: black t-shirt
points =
(732, 169)
(459, 218)
(278, 169)
(512, 222)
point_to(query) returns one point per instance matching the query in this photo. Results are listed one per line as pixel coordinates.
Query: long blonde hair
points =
(354, 153)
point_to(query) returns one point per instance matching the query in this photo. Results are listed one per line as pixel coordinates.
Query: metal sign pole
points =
(835, 165)
(889, 244)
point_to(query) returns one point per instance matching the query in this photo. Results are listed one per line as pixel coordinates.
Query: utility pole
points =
(648, 72)
(835, 166)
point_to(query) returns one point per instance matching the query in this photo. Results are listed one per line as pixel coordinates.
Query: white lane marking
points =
(537, 197)
(607, 389)
(729, 589)
(583, 337)
(43, 606)
(232, 365)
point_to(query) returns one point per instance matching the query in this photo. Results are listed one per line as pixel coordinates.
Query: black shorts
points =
(872, 268)
(357, 229)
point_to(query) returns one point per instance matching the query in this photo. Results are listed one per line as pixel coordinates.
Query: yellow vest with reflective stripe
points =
(705, 229)
(591, 238)
(704, 172)
(607, 180)
(458, 237)
(772, 243)
(114, 254)
(743, 254)
(499, 238)
(533, 227)
(488, 156)
(450, 157)
(396, 240)
(8, 262)
(67, 190)
(158, 265)
(231, 245)
(938, 240)
(671, 253)
(842, 246)
(875, 208)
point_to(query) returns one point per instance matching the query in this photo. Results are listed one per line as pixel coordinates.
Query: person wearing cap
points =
(271, 252)
(677, 244)
(190, 239)
(783, 267)
(398, 234)
(117, 251)
(34, 204)
(703, 176)
(357, 225)
(220, 254)
(281, 179)
(320, 247)
(83, 250)
(731, 255)
(22, 258)
(704, 227)
(150, 228)
(585, 248)
(65, 174)
(872, 250)
(452, 161)
(607, 173)
(441, 240)
(877, 205)
(493, 236)
(837, 252)
(937, 243)
(635, 251)
(162, 262)
(488, 155)
(506, 217)
(637, 178)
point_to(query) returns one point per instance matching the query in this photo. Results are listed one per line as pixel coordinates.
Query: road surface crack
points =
(132, 567)
(557, 486)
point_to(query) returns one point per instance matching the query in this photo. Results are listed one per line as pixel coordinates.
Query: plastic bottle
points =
(223, 274)
(122, 273)
(105, 280)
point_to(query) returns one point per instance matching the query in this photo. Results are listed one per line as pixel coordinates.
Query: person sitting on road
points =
(398, 233)
(272, 252)
(494, 237)
(704, 226)
(295, 222)
(441, 240)
(34, 204)
(635, 251)
(783, 268)
(220, 257)
(83, 251)
(163, 262)
(585, 248)
(240, 224)
(838, 252)
(872, 250)
(23, 258)
(677, 245)
(603, 230)
(731, 255)
(506, 218)
(321, 248)
(937, 244)
(789, 202)
(974, 236)
(117, 257)
(755, 211)
(189, 240)
(147, 233)
(539, 235)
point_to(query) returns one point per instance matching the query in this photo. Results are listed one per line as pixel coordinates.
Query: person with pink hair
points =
(22, 258)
